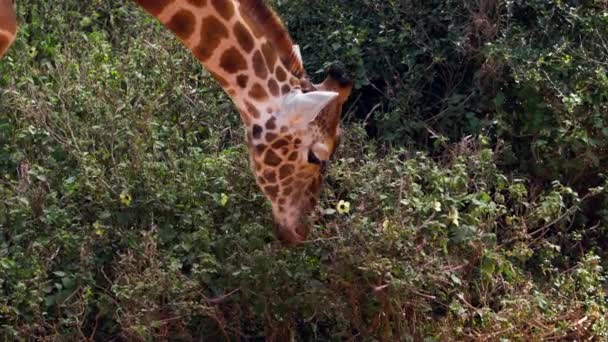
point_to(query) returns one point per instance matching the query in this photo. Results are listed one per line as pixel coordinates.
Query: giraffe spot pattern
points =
(224, 7)
(279, 143)
(242, 80)
(281, 74)
(271, 123)
(232, 61)
(272, 159)
(285, 89)
(182, 24)
(286, 171)
(273, 87)
(259, 149)
(255, 29)
(270, 55)
(272, 191)
(252, 110)
(212, 33)
(287, 191)
(243, 37)
(270, 137)
(293, 156)
(259, 66)
(258, 92)
(270, 176)
(155, 7)
(257, 131)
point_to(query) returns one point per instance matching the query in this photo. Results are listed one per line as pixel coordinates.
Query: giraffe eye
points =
(312, 158)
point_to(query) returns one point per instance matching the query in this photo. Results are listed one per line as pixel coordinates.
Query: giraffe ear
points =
(299, 109)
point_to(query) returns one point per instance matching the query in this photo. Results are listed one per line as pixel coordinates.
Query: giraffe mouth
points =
(292, 236)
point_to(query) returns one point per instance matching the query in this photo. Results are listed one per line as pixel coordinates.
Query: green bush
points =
(476, 210)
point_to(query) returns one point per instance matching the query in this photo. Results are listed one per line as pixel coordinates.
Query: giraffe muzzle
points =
(292, 235)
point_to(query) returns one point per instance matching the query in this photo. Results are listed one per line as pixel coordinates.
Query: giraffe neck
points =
(8, 25)
(234, 47)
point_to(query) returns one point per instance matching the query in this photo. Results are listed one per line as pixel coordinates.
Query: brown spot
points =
(269, 54)
(257, 131)
(289, 137)
(261, 180)
(155, 7)
(252, 24)
(224, 7)
(258, 92)
(270, 176)
(285, 89)
(279, 143)
(259, 66)
(270, 137)
(272, 159)
(298, 141)
(293, 156)
(243, 37)
(258, 166)
(259, 149)
(182, 24)
(284, 129)
(273, 86)
(287, 191)
(232, 61)
(252, 109)
(271, 123)
(198, 3)
(280, 73)
(282, 201)
(212, 33)
(242, 80)
(286, 171)
(287, 181)
(272, 191)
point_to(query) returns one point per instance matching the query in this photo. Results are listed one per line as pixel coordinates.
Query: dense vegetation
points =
(467, 200)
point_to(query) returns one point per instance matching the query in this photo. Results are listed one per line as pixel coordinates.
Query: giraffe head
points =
(290, 151)
(292, 125)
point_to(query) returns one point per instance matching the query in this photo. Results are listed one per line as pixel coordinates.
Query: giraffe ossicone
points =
(293, 126)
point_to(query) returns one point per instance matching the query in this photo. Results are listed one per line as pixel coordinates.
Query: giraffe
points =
(292, 125)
